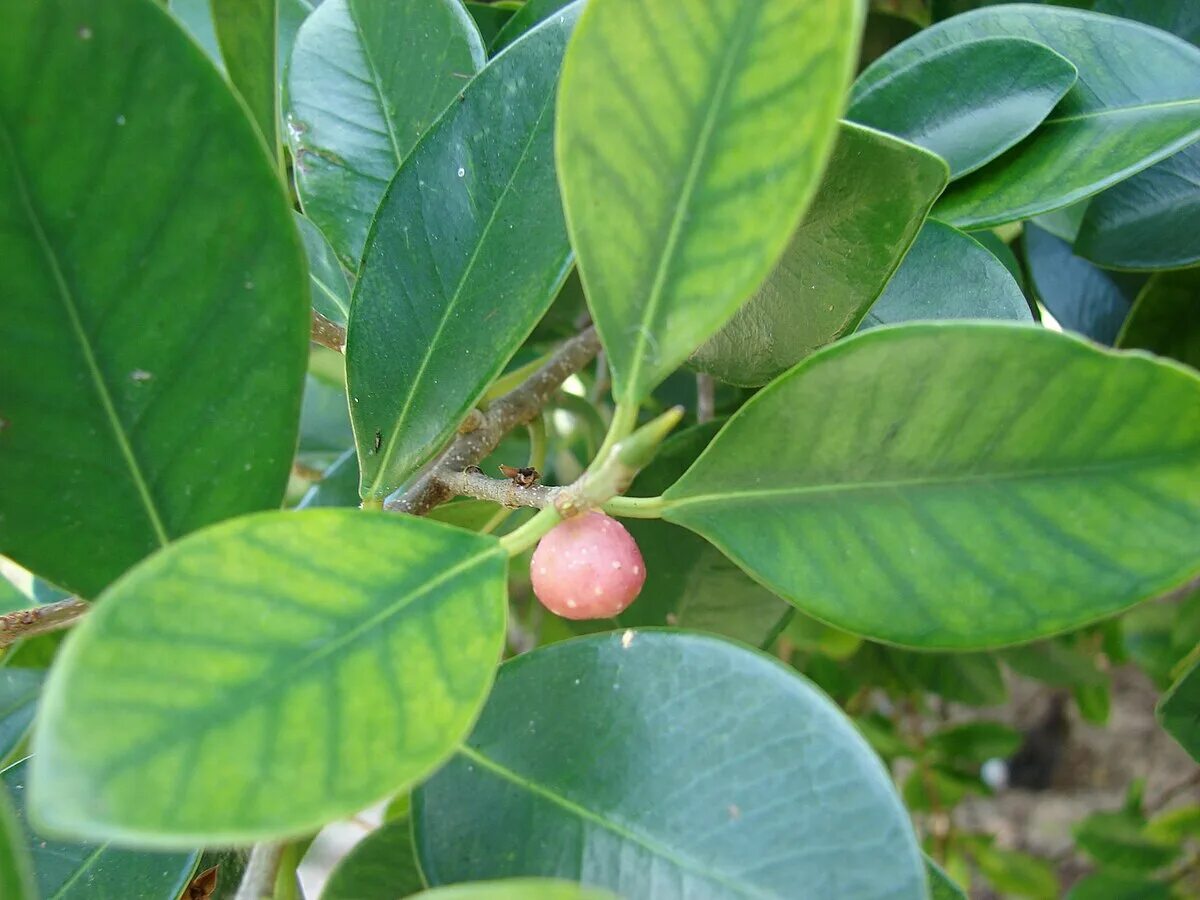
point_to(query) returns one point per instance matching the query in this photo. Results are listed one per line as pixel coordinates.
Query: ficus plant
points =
(576, 428)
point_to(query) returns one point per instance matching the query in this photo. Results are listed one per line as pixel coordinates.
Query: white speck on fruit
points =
(599, 590)
(541, 570)
(616, 564)
(637, 570)
(571, 604)
(626, 640)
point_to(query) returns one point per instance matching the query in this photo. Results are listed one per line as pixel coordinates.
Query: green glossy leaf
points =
(1119, 840)
(16, 868)
(382, 866)
(151, 300)
(489, 18)
(338, 485)
(974, 679)
(689, 583)
(1055, 662)
(975, 742)
(19, 690)
(518, 889)
(230, 866)
(873, 197)
(968, 102)
(530, 14)
(684, 178)
(476, 211)
(1157, 636)
(70, 871)
(246, 33)
(1069, 490)
(1179, 711)
(1181, 17)
(996, 246)
(1165, 318)
(1113, 886)
(330, 287)
(941, 887)
(1149, 221)
(366, 79)
(1063, 223)
(583, 759)
(1080, 296)
(325, 431)
(196, 17)
(948, 275)
(1137, 101)
(269, 675)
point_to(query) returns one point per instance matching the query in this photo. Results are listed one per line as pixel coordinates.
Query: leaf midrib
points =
(1117, 110)
(1147, 462)
(77, 329)
(583, 812)
(376, 83)
(389, 448)
(734, 50)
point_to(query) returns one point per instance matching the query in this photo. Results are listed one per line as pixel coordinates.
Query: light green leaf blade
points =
(1149, 221)
(940, 885)
(16, 869)
(601, 781)
(530, 14)
(1165, 318)
(684, 178)
(873, 197)
(269, 675)
(518, 889)
(1181, 17)
(327, 279)
(1179, 711)
(365, 81)
(196, 18)
(466, 254)
(1137, 101)
(948, 275)
(992, 484)
(246, 33)
(151, 300)
(382, 866)
(967, 102)
(70, 871)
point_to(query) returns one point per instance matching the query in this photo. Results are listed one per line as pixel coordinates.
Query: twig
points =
(518, 406)
(1172, 791)
(258, 882)
(39, 619)
(328, 333)
(705, 398)
(504, 491)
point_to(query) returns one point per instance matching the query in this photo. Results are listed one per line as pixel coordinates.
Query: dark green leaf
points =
(365, 81)
(196, 17)
(1055, 663)
(338, 485)
(1157, 636)
(164, 313)
(968, 102)
(577, 760)
(230, 866)
(1137, 101)
(974, 679)
(1149, 221)
(948, 275)
(1094, 701)
(1179, 711)
(67, 871)
(1080, 296)
(1119, 840)
(940, 885)
(16, 868)
(517, 889)
(530, 14)
(938, 787)
(382, 866)
(330, 287)
(1181, 17)
(490, 18)
(325, 431)
(476, 209)
(1063, 223)
(268, 675)
(1069, 490)
(685, 176)
(1111, 886)
(871, 202)
(1165, 318)
(246, 34)
(975, 741)
(19, 689)
(994, 245)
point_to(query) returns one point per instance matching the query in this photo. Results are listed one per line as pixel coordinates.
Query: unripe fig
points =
(588, 567)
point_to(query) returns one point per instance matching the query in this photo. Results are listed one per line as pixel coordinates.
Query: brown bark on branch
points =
(39, 619)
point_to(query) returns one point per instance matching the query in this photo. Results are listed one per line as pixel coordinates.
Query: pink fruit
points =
(588, 567)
